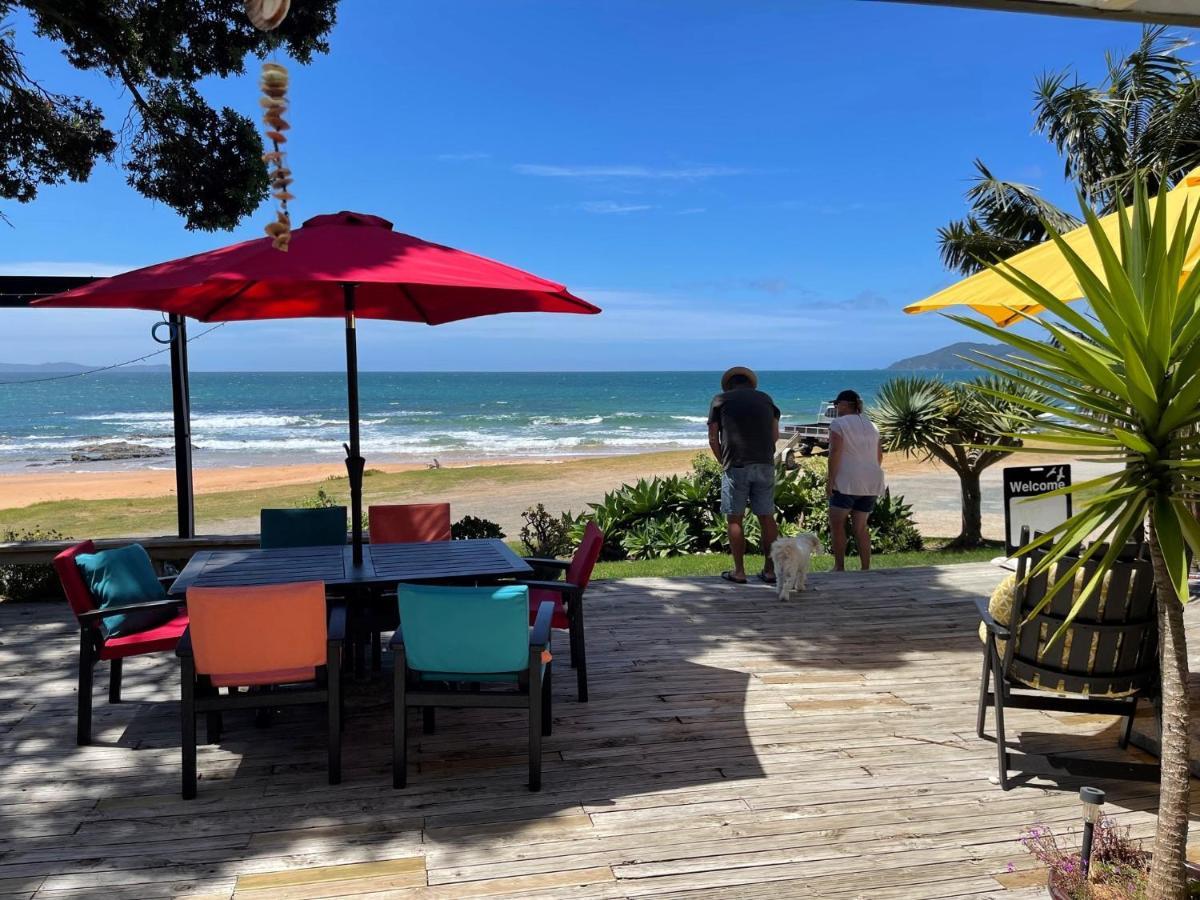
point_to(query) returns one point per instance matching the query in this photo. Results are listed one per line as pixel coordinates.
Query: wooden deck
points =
(734, 747)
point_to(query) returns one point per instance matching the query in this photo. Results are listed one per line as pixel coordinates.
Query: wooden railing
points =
(159, 548)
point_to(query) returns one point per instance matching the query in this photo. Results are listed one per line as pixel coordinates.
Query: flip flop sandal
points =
(766, 578)
(728, 576)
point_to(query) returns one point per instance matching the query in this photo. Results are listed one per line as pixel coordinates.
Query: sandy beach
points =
(495, 489)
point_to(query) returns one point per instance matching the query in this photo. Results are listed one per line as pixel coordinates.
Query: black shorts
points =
(862, 503)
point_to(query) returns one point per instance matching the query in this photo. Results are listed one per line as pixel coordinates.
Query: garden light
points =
(1093, 799)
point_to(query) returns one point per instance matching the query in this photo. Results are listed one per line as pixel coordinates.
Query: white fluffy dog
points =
(792, 557)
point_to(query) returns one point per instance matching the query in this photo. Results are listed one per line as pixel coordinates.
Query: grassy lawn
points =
(715, 563)
(236, 511)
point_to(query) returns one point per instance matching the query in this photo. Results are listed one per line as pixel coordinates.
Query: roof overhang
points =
(1163, 12)
(21, 290)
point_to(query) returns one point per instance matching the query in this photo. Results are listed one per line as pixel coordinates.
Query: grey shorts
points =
(753, 484)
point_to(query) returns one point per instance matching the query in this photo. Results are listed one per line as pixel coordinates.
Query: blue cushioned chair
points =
(454, 640)
(320, 527)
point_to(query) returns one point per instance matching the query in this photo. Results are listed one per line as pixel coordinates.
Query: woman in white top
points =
(855, 477)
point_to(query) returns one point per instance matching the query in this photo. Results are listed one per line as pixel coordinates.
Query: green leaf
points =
(1171, 544)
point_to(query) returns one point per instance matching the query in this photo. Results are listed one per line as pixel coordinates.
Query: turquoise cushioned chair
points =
(320, 527)
(453, 640)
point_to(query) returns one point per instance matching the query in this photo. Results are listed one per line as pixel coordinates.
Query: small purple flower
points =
(1011, 867)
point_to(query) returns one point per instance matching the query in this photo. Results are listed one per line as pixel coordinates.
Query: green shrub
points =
(320, 500)
(544, 535)
(678, 514)
(473, 527)
(32, 581)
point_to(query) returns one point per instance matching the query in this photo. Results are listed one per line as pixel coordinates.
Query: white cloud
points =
(63, 267)
(611, 207)
(619, 171)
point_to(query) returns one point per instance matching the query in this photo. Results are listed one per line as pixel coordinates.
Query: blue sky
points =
(754, 183)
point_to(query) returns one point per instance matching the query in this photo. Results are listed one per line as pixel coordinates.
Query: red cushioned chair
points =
(94, 646)
(408, 523)
(400, 523)
(567, 597)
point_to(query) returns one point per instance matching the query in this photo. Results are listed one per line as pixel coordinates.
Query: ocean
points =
(267, 418)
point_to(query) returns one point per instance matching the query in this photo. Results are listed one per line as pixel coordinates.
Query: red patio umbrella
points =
(345, 265)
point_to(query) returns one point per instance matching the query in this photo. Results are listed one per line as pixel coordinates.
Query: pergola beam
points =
(19, 292)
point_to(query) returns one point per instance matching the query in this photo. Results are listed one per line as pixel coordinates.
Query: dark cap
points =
(848, 397)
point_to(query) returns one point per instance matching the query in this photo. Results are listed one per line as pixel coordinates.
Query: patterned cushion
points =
(1000, 606)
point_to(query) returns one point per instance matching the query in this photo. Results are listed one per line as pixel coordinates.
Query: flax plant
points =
(1122, 383)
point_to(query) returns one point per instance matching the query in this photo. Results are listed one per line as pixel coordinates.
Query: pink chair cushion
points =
(274, 676)
(164, 637)
(408, 523)
(538, 596)
(580, 571)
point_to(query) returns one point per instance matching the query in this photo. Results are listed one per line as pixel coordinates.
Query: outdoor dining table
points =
(382, 565)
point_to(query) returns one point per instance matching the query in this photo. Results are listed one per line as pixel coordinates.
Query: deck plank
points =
(734, 745)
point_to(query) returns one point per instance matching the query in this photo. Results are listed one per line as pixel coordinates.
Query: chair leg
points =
(399, 728)
(580, 650)
(984, 683)
(1127, 731)
(188, 731)
(1001, 746)
(114, 681)
(535, 726)
(547, 695)
(87, 665)
(334, 701)
(428, 723)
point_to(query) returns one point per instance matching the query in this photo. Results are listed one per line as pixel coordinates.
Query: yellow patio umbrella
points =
(990, 294)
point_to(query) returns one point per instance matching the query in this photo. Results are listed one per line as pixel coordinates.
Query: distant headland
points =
(948, 358)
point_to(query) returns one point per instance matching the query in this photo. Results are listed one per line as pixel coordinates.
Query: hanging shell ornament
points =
(265, 15)
(274, 84)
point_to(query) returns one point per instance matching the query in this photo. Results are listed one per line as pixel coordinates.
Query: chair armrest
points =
(563, 587)
(337, 624)
(548, 563)
(992, 625)
(397, 641)
(93, 614)
(167, 580)
(539, 635)
(184, 648)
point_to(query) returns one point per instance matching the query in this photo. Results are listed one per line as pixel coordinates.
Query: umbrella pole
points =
(181, 404)
(354, 460)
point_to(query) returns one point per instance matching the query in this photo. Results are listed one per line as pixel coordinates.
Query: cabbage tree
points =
(1123, 384)
(962, 426)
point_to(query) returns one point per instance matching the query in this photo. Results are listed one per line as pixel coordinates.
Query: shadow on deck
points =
(734, 745)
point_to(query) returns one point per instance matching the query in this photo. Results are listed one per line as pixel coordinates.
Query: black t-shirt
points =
(747, 422)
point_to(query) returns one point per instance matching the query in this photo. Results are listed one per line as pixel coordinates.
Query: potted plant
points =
(1122, 382)
(1118, 867)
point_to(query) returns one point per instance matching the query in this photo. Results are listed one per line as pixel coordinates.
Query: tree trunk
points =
(1167, 878)
(972, 515)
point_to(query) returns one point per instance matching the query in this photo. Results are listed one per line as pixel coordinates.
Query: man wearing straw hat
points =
(743, 428)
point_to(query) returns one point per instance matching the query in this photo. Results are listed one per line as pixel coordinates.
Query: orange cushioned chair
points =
(409, 523)
(272, 636)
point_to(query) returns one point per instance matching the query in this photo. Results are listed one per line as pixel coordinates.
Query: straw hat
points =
(738, 370)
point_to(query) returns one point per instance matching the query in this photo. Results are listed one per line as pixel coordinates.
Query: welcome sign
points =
(1025, 503)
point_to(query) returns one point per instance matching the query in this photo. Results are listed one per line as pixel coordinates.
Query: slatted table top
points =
(334, 565)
